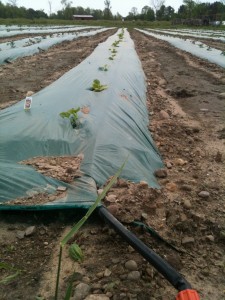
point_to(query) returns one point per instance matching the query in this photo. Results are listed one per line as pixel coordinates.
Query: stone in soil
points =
(97, 297)
(188, 240)
(134, 275)
(131, 265)
(161, 173)
(82, 290)
(187, 203)
(204, 194)
(30, 230)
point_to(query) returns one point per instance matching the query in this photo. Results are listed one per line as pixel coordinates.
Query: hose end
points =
(188, 295)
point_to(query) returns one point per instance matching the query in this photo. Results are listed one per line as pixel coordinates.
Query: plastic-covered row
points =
(200, 35)
(115, 129)
(11, 54)
(198, 49)
(9, 33)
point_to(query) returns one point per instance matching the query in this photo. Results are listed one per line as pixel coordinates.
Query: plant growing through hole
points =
(114, 51)
(71, 114)
(104, 68)
(11, 44)
(111, 58)
(97, 86)
(223, 53)
(209, 48)
(201, 45)
(115, 44)
(75, 251)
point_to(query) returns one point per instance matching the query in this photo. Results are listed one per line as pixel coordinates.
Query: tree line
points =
(157, 11)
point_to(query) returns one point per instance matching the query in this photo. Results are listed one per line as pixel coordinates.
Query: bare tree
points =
(107, 4)
(107, 10)
(134, 11)
(66, 3)
(157, 4)
(50, 7)
(12, 2)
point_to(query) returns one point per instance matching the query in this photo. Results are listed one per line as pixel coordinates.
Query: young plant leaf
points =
(97, 86)
(71, 114)
(75, 252)
(10, 278)
(69, 291)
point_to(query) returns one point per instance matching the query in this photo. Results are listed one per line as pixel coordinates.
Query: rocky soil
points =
(186, 104)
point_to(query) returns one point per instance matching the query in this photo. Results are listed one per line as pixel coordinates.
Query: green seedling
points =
(201, 45)
(76, 250)
(120, 35)
(209, 48)
(115, 44)
(76, 253)
(111, 58)
(114, 51)
(97, 86)
(71, 114)
(223, 53)
(11, 277)
(104, 68)
(12, 44)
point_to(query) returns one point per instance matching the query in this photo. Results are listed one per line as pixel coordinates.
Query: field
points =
(186, 109)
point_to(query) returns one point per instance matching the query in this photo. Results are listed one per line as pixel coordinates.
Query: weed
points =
(97, 86)
(75, 229)
(114, 51)
(9, 278)
(71, 114)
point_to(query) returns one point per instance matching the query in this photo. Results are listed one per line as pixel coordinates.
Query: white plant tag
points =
(27, 103)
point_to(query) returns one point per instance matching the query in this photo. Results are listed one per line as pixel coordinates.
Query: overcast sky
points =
(121, 6)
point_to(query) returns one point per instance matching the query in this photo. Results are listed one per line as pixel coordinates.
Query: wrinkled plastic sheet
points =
(45, 44)
(44, 30)
(200, 35)
(115, 129)
(30, 27)
(219, 33)
(214, 55)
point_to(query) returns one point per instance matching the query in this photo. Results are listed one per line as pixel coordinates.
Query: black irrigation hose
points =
(155, 260)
